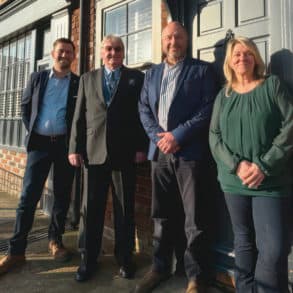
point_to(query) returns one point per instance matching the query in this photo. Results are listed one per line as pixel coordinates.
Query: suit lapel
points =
(43, 84)
(73, 86)
(182, 76)
(96, 85)
(158, 77)
(72, 91)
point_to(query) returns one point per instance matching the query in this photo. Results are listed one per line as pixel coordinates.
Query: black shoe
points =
(84, 273)
(127, 272)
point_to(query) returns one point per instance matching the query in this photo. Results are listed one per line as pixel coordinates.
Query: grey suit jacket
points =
(100, 131)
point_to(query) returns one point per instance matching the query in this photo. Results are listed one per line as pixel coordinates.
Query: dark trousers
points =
(97, 180)
(261, 242)
(43, 154)
(170, 174)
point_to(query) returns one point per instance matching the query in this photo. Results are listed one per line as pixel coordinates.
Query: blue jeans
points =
(261, 242)
(43, 155)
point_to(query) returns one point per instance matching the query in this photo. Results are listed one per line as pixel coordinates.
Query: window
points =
(132, 22)
(15, 58)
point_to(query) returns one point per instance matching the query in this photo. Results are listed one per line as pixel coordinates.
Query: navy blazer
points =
(190, 111)
(33, 95)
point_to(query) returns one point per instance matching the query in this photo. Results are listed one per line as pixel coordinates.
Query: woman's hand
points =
(250, 174)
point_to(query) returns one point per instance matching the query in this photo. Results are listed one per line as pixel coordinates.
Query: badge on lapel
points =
(131, 82)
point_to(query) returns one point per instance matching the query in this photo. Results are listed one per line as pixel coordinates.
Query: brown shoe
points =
(194, 287)
(9, 262)
(59, 252)
(151, 280)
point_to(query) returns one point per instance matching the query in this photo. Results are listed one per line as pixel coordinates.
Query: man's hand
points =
(140, 157)
(75, 160)
(167, 144)
(250, 174)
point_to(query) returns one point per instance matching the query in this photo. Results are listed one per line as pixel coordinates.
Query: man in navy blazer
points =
(47, 107)
(175, 107)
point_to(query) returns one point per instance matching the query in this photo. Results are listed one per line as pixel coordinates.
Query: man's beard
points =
(64, 65)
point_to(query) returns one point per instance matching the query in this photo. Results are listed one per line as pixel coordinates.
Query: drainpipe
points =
(82, 57)
(177, 10)
(82, 37)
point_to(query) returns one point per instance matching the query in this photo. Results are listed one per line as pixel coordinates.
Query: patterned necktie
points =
(111, 83)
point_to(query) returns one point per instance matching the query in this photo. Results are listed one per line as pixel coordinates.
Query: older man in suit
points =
(175, 108)
(47, 109)
(108, 138)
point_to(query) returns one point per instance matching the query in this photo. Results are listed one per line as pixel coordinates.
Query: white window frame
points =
(156, 27)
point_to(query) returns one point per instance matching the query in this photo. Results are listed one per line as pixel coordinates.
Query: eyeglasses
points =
(116, 49)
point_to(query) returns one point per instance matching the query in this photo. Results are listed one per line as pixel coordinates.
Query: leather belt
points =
(49, 138)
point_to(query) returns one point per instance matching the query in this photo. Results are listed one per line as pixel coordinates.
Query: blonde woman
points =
(251, 138)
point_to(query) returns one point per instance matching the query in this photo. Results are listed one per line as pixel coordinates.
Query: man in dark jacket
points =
(47, 109)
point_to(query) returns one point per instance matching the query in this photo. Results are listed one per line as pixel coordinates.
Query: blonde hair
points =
(259, 69)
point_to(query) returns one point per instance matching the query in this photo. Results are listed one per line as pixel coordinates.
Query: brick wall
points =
(75, 38)
(12, 165)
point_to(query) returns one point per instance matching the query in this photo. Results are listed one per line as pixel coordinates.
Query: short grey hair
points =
(114, 38)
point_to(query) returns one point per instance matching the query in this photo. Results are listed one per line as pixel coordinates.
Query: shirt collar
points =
(52, 74)
(116, 71)
(178, 64)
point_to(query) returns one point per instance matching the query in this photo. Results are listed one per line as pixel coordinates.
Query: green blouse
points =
(256, 126)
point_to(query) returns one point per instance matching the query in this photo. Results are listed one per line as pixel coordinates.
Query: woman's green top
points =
(256, 126)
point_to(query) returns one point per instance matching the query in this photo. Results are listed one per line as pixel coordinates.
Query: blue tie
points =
(111, 83)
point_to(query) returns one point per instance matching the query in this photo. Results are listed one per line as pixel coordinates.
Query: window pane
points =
(116, 21)
(5, 59)
(139, 47)
(15, 58)
(1, 83)
(140, 15)
(28, 53)
(20, 75)
(20, 58)
(47, 43)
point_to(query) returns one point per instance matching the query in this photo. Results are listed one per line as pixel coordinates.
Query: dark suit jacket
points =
(113, 132)
(34, 93)
(190, 111)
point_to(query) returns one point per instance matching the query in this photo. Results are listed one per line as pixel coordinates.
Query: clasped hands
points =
(250, 174)
(167, 143)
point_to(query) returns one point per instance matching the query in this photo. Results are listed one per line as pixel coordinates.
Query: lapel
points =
(43, 84)
(97, 84)
(182, 75)
(73, 86)
(158, 76)
(72, 90)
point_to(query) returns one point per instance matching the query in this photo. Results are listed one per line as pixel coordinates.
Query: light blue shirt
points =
(52, 111)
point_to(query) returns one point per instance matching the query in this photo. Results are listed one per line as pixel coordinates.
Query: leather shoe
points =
(195, 287)
(151, 280)
(127, 272)
(58, 251)
(9, 262)
(84, 273)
